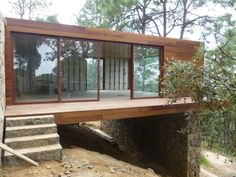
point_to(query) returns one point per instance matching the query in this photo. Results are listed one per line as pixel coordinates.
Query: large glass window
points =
(35, 63)
(36, 69)
(146, 71)
(79, 64)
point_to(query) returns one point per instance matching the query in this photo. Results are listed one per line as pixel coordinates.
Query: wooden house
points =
(76, 74)
(101, 74)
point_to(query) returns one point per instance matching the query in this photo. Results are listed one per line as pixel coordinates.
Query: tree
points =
(145, 16)
(212, 86)
(105, 14)
(50, 18)
(28, 9)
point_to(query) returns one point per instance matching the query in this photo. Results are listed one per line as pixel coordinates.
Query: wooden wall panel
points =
(9, 68)
(180, 49)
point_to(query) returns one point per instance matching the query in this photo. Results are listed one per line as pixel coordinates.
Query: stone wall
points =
(171, 140)
(2, 78)
(194, 143)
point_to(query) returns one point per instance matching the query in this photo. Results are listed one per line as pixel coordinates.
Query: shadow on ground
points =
(74, 135)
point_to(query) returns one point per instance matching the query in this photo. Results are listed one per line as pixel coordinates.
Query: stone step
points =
(32, 141)
(51, 152)
(30, 130)
(29, 120)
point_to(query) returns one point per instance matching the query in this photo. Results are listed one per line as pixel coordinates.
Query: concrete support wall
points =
(116, 74)
(2, 77)
(170, 140)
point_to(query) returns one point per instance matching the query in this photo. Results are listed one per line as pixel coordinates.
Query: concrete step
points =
(29, 120)
(32, 141)
(30, 130)
(51, 152)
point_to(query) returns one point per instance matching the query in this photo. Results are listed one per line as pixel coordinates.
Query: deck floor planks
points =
(69, 113)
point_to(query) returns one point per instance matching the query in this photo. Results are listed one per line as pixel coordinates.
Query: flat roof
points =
(54, 29)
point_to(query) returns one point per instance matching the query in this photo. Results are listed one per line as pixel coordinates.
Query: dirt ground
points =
(219, 165)
(78, 162)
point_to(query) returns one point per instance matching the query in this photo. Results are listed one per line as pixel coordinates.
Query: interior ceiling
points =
(112, 50)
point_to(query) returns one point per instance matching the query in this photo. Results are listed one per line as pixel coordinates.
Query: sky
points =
(65, 9)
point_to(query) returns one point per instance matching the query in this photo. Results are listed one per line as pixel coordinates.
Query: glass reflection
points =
(35, 63)
(79, 61)
(146, 71)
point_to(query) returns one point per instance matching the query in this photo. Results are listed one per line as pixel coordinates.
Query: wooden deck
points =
(71, 113)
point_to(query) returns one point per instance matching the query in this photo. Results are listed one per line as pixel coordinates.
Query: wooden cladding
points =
(180, 49)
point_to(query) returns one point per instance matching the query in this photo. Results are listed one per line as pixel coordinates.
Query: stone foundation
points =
(171, 140)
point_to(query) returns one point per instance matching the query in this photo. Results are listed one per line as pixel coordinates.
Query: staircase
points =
(34, 136)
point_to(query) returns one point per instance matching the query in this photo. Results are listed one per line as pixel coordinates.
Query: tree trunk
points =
(164, 18)
(184, 19)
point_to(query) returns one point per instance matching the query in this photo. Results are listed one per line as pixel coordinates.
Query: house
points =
(55, 63)
(83, 74)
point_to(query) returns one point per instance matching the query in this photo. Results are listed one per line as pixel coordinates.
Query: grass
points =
(204, 161)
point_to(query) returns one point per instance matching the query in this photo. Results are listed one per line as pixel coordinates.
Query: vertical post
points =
(104, 67)
(114, 68)
(59, 72)
(161, 64)
(132, 73)
(109, 67)
(98, 93)
(10, 42)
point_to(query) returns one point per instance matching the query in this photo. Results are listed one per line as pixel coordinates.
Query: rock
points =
(112, 170)
(90, 166)
(72, 170)
(123, 170)
(53, 172)
(63, 164)
(61, 175)
(48, 167)
(67, 172)
(151, 170)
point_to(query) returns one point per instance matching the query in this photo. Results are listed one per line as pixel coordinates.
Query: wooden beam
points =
(14, 152)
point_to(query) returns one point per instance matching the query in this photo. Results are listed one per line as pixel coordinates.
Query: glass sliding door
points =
(79, 66)
(146, 71)
(35, 68)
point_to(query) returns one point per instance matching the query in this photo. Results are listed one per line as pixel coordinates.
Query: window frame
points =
(59, 74)
(161, 57)
(13, 76)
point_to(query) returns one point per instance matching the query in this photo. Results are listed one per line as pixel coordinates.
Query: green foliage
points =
(213, 86)
(204, 161)
(50, 18)
(219, 129)
(147, 16)
(105, 14)
(183, 79)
